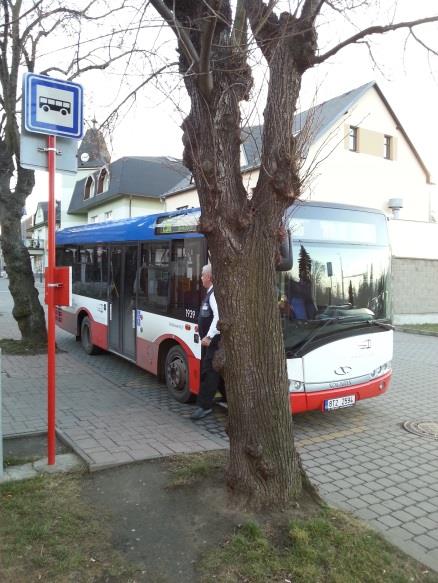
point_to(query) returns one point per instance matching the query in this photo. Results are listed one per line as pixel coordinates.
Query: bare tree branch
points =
(370, 31)
(239, 31)
(133, 93)
(423, 44)
(206, 76)
(72, 12)
(4, 44)
(267, 13)
(189, 50)
(80, 70)
(311, 9)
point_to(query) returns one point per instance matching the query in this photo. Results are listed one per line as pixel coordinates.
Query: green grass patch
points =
(421, 327)
(48, 534)
(21, 347)
(185, 470)
(24, 348)
(330, 547)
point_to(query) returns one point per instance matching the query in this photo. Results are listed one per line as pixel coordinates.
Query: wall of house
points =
(414, 239)
(414, 271)
(366, 178)
(414, 290)
(190, 198)
(67, 186)
(145, 206)
(122, 208)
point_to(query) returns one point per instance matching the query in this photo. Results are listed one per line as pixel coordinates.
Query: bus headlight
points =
(295, 386)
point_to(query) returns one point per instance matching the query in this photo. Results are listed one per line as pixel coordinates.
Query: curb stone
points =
(65, 463)
(414, 331)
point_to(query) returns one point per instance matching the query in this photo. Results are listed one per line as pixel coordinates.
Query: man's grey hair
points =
(207, 269)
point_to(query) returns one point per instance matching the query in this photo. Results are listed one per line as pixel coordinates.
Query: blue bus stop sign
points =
(53, 106)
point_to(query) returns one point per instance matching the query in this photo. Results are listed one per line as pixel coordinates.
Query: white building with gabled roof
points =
(357, 152)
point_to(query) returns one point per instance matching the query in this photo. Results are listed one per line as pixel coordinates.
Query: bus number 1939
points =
(190, 314)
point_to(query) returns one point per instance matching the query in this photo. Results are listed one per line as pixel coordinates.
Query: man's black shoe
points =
(200, 413)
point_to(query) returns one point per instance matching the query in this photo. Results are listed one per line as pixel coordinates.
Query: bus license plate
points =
(331, 404)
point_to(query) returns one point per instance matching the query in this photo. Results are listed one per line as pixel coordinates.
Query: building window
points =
(352, 139)
(387, 149)
(103, 181)
(88, 188)
(108, 215)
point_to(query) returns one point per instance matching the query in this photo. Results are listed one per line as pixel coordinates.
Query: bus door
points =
(123, 269)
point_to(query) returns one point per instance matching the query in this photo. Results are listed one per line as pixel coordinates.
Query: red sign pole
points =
(50, 295)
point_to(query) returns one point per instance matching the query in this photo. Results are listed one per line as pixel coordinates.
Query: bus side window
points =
(185, 278)
(153, 277)
(142, 277)
(96, 272)
(178, 271)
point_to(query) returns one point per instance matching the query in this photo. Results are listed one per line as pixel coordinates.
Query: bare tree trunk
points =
(243, 237)
(264, 465)
(243, 229)
(27, 309)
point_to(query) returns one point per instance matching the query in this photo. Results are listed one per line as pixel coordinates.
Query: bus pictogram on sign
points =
(47, 104)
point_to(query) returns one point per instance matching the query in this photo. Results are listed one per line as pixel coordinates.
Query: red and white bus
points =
(137, 291)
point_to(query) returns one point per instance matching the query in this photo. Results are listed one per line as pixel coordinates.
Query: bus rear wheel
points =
(176, 372)
(87, 345)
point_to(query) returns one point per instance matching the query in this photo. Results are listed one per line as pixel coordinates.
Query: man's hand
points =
(206, 341)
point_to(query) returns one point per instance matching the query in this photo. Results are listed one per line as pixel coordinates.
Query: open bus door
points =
(123, 268)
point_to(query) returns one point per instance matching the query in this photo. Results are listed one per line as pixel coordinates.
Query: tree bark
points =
(264, 465)
(27, 309)
(243, 241)
(243, 236)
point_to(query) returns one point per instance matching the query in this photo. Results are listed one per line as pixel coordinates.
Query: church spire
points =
(93, 151)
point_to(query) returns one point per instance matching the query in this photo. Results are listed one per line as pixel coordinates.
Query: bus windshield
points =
(345, 284)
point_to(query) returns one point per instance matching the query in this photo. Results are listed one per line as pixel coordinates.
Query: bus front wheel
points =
(87, 345)
(176, 373)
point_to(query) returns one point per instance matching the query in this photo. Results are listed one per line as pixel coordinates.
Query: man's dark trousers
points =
(211, 380)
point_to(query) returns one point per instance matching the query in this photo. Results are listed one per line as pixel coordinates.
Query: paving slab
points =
(361, 459)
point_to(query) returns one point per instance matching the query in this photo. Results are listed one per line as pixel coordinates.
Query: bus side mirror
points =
(285, 251)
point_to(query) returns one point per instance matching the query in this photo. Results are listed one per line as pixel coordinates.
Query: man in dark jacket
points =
(211, 381)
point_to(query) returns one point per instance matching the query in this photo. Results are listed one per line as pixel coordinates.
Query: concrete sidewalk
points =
(105, 423)
(361, 458)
